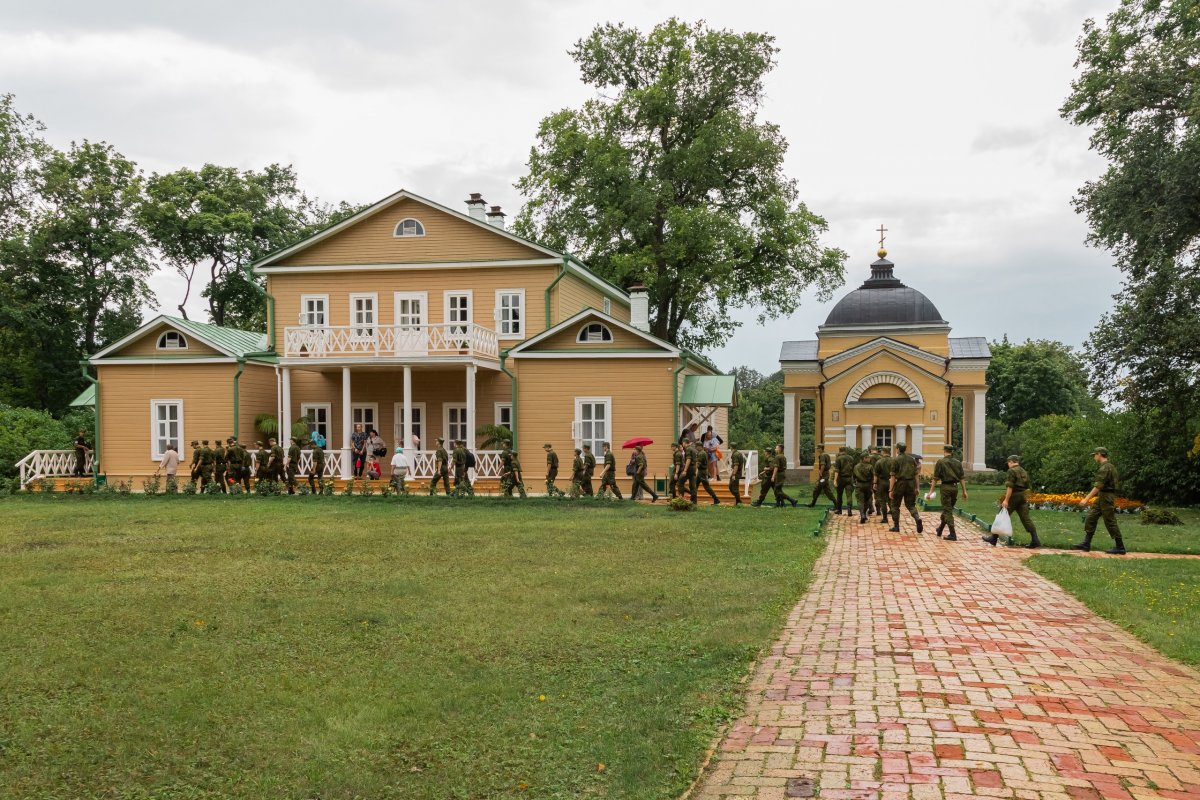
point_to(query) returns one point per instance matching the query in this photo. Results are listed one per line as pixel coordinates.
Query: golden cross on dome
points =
(882, 231)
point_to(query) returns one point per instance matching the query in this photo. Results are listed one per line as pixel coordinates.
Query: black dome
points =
(884, 300)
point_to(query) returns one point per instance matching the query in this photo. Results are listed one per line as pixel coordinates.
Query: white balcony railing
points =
(403, 341)
(49, 464)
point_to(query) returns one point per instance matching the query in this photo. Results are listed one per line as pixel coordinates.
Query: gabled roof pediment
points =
(884, 360)
(886, 343)
(203, 340)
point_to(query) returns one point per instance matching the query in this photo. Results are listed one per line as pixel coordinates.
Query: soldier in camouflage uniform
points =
(675, 470)
(576, 473)
(316, 470)
(462, 482)
(824, 464)
(516, 479)
(293, 464)
(589, 470)
(233, 461)
(864, 483)
(1018, 483)
(883, 473)
(441, 468)
(551, 471)
(779, 478)
(697, 472)
(764, 477)
(844, 465)
(506, 486)
(206, 464)
(904, 483)
(195, 465)
(948, 473)
(639, 477)
(220, 464)
(737, 471)
(608, 474)
(1104, 489)
(275, 462)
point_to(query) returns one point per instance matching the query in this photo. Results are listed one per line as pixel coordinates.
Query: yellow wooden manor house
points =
(419, 321)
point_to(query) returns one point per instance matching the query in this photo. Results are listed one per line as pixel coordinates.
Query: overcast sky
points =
(936, 118)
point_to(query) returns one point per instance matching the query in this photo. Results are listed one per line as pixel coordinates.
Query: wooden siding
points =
(573, 294)
(436, 388)
(482, 282)
(447, 238)
(641, 406)
(145, 345)
(125, 394)
(568, 340)
(256, 395)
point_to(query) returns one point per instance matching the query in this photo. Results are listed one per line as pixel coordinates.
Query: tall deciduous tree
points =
(21, 151)
(1138, 89)
(220, 219)
(1036, 378)
(667, 176)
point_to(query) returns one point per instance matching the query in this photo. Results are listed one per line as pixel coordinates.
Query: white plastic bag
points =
(1002, 525)
(930, 495)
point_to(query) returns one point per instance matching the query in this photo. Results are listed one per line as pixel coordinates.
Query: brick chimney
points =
(639, 307)
(476, 206)
(496, 217)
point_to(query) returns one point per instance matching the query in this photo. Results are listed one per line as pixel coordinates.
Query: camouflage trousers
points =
(508, 483)
(609, 481)
(442, 476)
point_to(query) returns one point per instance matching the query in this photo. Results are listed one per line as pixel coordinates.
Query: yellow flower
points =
(600, 767)
(541, 698)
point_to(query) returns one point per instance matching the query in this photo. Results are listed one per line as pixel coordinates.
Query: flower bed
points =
(1070, 502)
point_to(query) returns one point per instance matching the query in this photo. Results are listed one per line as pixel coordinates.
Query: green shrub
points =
(1160, 516)
(349, 490)
(172, 486)
(327, 487)
(236, 488)
(987, 478)
(368, 488)
(189, 488)
(302, 489)
(268, 488)
(124, 488)
(152, 485)
(47, 485)
(681, 504)
(25, 429)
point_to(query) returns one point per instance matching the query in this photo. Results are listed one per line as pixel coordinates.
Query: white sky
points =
(937, 118)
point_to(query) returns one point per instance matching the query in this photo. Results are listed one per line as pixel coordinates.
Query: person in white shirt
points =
(170, 462)
(399, 469)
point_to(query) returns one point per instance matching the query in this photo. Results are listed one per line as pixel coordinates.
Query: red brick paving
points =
(917, 668)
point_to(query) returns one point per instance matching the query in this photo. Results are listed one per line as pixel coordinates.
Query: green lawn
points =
(351, 647)
(1063, 528)
(1158, 600)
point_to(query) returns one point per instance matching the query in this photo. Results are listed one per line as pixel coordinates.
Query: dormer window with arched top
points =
(172, 340)
(594, 333)
(409, 227)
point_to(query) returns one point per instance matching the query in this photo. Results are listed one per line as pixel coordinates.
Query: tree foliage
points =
(1138, 89)
(668, 177)
(757, 421)
(1035, 379)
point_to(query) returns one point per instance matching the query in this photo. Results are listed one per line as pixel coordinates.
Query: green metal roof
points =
(86, 399)
(708, 390)
(239, 343)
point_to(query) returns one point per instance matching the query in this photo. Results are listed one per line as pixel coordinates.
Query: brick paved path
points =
(916, 668)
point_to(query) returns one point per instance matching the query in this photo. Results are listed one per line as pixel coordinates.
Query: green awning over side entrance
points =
(708, 390)
(86, 399)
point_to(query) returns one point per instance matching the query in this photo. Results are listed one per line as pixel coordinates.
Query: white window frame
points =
(519, 333)
(364, 331)
(183, 342)
(396, 234)
(374, 407)
(411, 339)
(398, 424)
(155, 454)
(581, 338)
(501, 407)
(607, 306)
(879, 437)
(577, 424)
(328, 409)
(304, 298)
(449, 437)
(467, 293)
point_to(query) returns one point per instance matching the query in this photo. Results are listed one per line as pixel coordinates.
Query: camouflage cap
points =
(733, 445)
(230, 440)
(901, 446)
(204, 441)
(547, 446)
(1014, 459)
(949, 448)
(1100, 451)
(195, 442)
(260, 444)
(587, 447)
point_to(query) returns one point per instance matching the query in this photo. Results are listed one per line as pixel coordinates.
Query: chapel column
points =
(918, 439)
(901, 435)
(789, 429)
(867, 441)
(851, 436)
(979, 430)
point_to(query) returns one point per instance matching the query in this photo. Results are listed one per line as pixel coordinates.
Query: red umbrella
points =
(637, 440)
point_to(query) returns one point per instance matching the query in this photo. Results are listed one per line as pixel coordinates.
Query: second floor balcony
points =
(448, 339)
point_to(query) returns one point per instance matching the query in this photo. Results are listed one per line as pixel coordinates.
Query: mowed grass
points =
(351, 647)
(1062, 529)
(1157, 600)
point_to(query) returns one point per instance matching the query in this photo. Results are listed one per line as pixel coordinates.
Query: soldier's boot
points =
(794, 503)
(941, 527)
(920, 525)
(1118, 548)
(862, 518)
(995, 537)
(778, 504)
(951, 536)
(1034, 543)
(1084, 546)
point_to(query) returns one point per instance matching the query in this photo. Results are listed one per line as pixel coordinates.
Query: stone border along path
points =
(917, 668)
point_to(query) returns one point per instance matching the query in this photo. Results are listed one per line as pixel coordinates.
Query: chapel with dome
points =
(883, 370)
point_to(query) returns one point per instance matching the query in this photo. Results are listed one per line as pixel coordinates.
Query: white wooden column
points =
(407, 444)
(979, 430)
(851, 436)
(867, 441)
(918, 439)
(471, 406)
(347, 466)
(901, 435)
(285, 420)
(789, 429)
